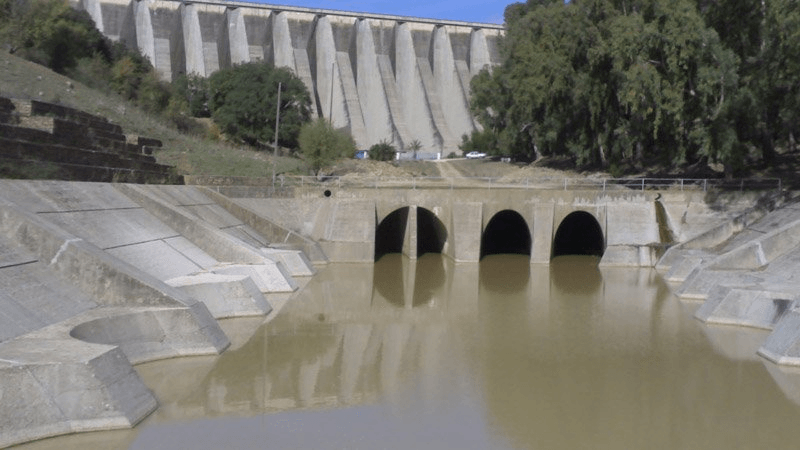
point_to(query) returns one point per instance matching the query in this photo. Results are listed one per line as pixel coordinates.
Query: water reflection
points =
(575, 275)
(501, 355)
(405, 282)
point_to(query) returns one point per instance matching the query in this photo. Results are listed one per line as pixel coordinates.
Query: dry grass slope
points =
(191, 155)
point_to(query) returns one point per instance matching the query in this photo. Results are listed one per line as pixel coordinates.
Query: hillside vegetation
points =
(191, 154)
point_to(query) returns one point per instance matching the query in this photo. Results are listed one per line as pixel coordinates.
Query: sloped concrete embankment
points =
(38, 138)
(94, 280)
(745, 273)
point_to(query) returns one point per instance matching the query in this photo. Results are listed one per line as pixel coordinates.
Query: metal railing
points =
(554, 183)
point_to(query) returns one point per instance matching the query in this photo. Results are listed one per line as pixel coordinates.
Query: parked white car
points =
(476, 155)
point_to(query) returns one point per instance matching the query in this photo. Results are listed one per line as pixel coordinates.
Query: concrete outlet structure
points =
(383, 78)
(628, 228)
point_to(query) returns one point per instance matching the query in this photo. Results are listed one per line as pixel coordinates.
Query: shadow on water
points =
(505, 274)
(576, 275)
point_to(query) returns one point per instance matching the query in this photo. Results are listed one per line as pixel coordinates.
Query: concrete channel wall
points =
(382, 77)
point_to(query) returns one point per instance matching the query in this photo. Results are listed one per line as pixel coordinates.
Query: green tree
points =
(194, 90)
(321, 144)
(243, 99)
(383, 151)
(480, 141)
(50, 32)
(765, 36)
(609, 82)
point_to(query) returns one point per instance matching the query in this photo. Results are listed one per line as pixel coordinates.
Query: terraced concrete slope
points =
(95, 277)
(745, 273)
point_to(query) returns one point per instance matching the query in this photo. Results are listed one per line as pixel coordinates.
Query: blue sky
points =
(465, 10)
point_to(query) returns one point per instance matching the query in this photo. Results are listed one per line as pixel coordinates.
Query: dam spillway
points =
(383, 78)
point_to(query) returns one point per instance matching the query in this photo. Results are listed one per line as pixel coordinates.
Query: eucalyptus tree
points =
(610, 82)
(765, 36)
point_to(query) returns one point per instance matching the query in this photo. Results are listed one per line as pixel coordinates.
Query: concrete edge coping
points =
(73, 329)
(760, 251)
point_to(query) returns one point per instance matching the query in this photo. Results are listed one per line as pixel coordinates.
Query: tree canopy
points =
(50, 32)
(637, 82)
(243, 99)
(321, 144)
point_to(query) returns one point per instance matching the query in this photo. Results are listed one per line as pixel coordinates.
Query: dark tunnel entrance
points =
(579, 234)
(507, 232)
(390, 233)
(431, 233)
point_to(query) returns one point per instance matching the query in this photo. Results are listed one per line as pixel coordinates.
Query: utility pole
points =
(330, 110)
(275, 147)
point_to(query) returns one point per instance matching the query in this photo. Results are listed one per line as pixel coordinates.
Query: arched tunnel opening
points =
(431, 233)
(579, 234)
(506, 233)
(390, 233)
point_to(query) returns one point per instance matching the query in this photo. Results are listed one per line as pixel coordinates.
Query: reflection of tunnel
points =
(390, 233)
(579, 234)
(431, 234)
(392, 279)
(507, 232)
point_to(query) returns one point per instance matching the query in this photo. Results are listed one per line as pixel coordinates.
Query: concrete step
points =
(39, 108)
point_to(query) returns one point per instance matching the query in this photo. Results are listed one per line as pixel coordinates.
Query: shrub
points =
(243, 100)
(321, 144)
(382, 152)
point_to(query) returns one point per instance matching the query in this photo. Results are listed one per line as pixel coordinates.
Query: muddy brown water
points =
(429, 354)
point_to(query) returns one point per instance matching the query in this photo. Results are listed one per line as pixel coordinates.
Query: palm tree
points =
(414, 146)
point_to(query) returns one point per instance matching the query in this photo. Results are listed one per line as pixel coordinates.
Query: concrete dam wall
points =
(383, 78)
